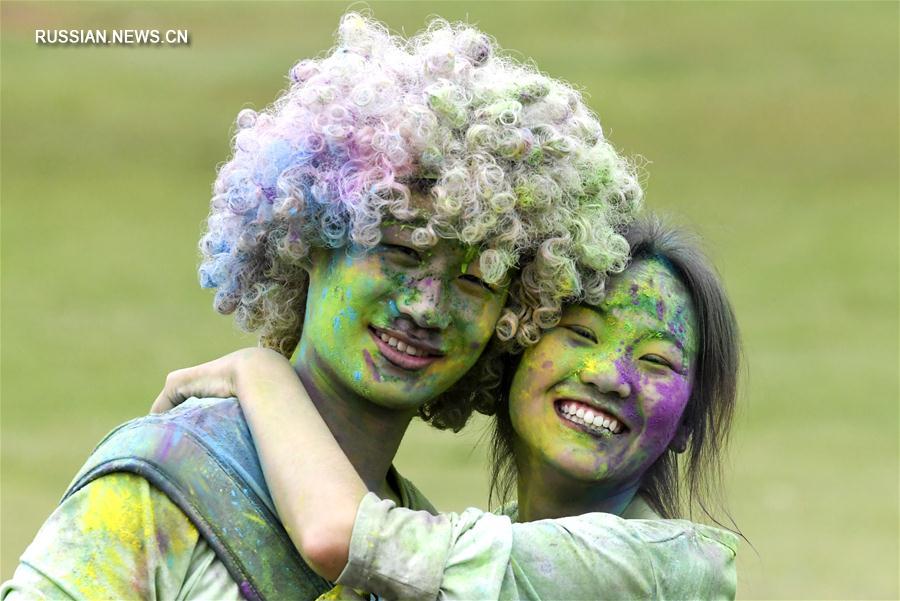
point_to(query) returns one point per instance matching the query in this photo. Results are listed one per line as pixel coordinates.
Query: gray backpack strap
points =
(201, 455)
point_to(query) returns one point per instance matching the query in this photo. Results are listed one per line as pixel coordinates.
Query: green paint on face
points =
(631, 360)
(439, 320)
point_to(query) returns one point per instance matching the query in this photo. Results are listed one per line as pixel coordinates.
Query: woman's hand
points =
(222, 377)
(315, 488)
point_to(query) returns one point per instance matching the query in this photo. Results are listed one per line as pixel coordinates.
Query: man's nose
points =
(426, 303)
(606, 376)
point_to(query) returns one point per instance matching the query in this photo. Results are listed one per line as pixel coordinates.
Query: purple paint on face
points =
(626, 373)
(675, 388)
(397, 291)
(371, 364)
(629, 359)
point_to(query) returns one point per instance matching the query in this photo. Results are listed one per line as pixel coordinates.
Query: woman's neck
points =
(544, 492)
(368, 434)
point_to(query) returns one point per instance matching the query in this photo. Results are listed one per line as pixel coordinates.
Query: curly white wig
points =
(513, 162)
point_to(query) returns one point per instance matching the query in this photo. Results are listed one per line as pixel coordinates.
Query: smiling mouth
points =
(401, 351)
(587, 418)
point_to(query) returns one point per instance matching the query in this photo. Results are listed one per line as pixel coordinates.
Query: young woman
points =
(588, 426)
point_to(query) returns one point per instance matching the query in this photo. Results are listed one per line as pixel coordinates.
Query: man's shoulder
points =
(207, 418)
(201, 456)
(119, 515)
(199, 436)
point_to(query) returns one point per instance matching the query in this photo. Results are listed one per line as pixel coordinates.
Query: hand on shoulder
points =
(222, 377)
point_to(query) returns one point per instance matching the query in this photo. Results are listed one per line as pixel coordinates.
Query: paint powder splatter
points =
(371, 365)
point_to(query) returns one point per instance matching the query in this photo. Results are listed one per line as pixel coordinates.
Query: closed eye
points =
(477, 281)
(405, 251)
(658, 360)
(582, 332)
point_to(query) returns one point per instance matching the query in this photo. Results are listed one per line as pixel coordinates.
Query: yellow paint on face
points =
(631, 357)
(433, 293)
(591, 363)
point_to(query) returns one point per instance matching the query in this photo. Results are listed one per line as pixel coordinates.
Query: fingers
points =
(172, 394)
(161, 404)
(213, 379)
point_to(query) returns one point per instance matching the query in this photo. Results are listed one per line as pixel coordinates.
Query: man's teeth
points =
(402, 346)
(586, 417)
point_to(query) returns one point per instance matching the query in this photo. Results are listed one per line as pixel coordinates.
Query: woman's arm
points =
(400, 553)
(403, 554)
(315, 488)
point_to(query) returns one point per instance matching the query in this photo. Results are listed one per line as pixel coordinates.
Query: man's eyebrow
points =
(598, 310)
(401, 230)
(403, 226)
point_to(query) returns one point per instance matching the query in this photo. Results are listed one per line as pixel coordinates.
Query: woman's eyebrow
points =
(660, 335)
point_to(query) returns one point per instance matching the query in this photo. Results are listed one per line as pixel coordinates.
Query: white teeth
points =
(594, 421)
(402, 346)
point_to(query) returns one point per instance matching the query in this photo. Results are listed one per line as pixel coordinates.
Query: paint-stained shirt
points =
(119, 538)
(403, 554)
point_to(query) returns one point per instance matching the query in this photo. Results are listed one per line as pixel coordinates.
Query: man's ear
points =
(680, 440)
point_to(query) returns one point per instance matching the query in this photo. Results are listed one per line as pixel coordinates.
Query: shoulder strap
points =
(201, 455)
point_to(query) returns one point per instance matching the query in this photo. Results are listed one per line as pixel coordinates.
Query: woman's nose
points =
(606, 376)
(426, 304)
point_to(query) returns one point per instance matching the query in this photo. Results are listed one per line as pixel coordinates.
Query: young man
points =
(376, 215)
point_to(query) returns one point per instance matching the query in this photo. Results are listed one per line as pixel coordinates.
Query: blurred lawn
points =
(771, 127)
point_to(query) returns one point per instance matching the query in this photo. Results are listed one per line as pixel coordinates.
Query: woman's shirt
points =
(404, 554)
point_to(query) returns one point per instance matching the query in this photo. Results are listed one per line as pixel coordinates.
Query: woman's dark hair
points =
(709, 411)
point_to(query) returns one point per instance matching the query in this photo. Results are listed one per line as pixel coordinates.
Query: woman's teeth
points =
(575, 412)
(402, 346)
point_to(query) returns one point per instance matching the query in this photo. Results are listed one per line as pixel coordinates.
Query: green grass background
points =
(772, 128)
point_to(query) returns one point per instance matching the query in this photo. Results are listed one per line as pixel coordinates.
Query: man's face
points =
(396, 324)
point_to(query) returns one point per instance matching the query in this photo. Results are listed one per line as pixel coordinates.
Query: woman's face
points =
(601, 396)
(398, 325)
